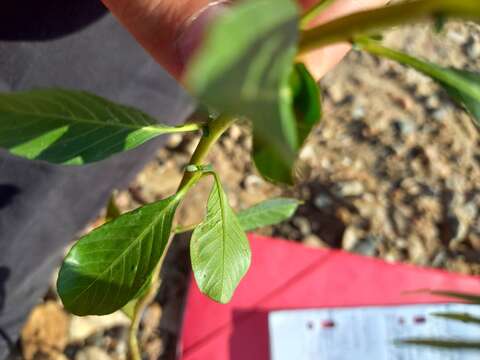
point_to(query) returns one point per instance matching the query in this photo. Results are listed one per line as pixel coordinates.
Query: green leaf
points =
(267, 213)
(305, 95)
(441, 343)
(463, 317)
(129, 308)
(254, 46)
(306, 101)
(467, 94)
(108, 267)
(72, 127)
(469, 298)
(463, 86)
(219, 249)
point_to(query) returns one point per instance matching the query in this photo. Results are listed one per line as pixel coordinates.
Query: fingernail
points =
(194, 30)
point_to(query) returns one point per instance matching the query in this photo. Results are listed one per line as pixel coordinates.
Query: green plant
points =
(250, 68)
(445, 342)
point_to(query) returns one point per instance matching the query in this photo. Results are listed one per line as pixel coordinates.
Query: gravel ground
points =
(392, 172)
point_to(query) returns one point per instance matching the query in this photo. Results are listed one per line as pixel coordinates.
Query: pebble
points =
(440, 115)
(473, 50)
(367, 246)
(314, 241)
(235, 132)
(82, 327)
(252, 182)
(351, 237)
(174, 140)
(303, 224)
(404, 127)
(92, 353)
(322, 201)
(358, 112)
(45, 331)
(417, 251)
(349, 189)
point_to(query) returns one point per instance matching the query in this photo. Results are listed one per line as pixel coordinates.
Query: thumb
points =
(168, 29)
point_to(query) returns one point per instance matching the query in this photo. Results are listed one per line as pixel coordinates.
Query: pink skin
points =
(158, 24)
(323, 60)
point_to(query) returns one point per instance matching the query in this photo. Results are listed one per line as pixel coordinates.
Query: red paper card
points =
(286, 275)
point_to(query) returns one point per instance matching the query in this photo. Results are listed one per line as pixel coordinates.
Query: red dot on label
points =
(419, 319)
(327, 324)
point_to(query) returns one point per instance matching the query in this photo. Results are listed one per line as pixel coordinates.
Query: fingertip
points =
(321, 61)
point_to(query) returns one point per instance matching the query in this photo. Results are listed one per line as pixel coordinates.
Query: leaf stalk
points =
(371, 21)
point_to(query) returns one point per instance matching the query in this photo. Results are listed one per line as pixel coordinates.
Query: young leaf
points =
(267, 213)
(306, 101)
(469, 298)
(467, 94)
(463, 317)
(463, 86)
(243, 69)
(72, 127)
(305, 96)
(219, 249)
(108, 267)
(129, 308)
(441, 343)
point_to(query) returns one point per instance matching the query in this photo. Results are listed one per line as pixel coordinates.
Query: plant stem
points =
(216, 128)
(371, 21)
(313, 12)
(186, 128)
(140, 307)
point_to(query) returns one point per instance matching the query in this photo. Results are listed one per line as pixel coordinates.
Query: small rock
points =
(314, 241)
(302, 224)
(433, 102)
(235, 132)
(252, 182)
(457, 37)
(154, 349)
(308, 153)
(85, 326)
(358, 112)
(174, 140)
(151, 320)
(45, 331)
(229, 144)
(401, 243)
(349, 189)
(473, 49)
(393, 256)
(337, 92)
(440, 259)
(440, 115)
(92, 353)
(474, 239)
(417, 251)
(403, 127)
(351, 237)
(322, 201)
(366, 246)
